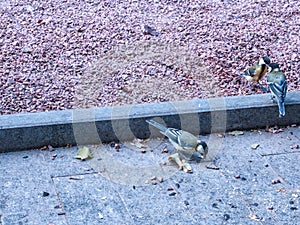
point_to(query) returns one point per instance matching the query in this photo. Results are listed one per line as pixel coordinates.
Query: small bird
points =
(276, 80)
(188, 145)
(257, 71)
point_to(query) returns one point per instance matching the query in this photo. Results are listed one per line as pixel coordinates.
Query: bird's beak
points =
(196, 156)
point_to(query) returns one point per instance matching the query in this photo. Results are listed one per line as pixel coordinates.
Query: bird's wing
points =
(249, 72)
(279, 89)
(173, 134)
(187, 140)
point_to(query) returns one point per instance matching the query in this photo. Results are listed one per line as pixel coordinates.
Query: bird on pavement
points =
(276, 81)
(188, 145)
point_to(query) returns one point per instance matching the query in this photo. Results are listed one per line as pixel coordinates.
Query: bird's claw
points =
(183, 165)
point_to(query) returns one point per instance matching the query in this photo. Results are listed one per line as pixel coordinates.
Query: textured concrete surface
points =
(246, 186)
(100, 125)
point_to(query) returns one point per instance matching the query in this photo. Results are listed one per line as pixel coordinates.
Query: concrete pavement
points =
(234, 185)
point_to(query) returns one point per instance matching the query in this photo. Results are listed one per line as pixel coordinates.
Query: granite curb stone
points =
(123, 123)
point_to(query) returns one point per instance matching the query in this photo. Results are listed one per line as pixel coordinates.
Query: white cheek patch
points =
(249, 78)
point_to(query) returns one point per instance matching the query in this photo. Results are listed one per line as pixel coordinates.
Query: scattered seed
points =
(160, 179)
(276, 181)
(238, 176)
(153, 182)
(294, 147)
(232, 206)
(172, 194)
(164, 150)
(226, 217)
(45, 194)
(293, 208)
(186, 202)
(112, 144)
(215, 205)
(180, 180)
(117, 147)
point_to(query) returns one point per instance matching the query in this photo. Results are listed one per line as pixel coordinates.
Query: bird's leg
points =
(187, 167)
(273, 98)
(183, 165)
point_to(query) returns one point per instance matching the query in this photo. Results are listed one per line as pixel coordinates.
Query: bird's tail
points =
(281, 109)
(157, 125)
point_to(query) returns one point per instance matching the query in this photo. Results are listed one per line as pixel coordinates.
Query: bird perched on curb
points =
(257, 71)
(188, 145)
(276, 80)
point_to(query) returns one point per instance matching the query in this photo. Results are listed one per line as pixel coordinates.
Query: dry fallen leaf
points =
(43, 148)
(255, 217)
(254, 146)
(84, 153)
(220, 135)
(275, 130)
(212, 166)
(236, 133)
(138, 143)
